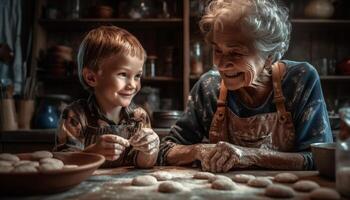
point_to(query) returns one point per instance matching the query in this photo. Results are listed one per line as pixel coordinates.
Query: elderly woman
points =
(255, 109)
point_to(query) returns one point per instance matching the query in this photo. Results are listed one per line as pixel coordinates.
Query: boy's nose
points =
(131, 84)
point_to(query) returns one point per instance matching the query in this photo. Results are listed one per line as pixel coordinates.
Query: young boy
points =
(110, 62)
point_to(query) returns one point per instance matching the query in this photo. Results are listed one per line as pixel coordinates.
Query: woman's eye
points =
(217, 51)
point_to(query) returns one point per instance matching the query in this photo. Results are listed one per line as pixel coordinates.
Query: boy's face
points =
(118, 81)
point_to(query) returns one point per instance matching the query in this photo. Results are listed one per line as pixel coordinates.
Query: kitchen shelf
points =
(321, 24)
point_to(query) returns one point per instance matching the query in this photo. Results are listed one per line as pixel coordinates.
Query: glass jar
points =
(343, 153)
(150, 67)
(196, 59)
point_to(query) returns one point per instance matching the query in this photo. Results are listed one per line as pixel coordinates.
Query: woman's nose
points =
(226, 64)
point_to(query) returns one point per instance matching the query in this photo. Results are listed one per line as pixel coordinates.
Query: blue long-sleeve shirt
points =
(304, 99)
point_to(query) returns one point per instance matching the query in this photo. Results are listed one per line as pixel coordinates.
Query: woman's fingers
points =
(214, 159)
(222, 160)
(230, 163)
(115, 139)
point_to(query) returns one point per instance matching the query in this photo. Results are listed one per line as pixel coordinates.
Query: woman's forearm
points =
(182, 154)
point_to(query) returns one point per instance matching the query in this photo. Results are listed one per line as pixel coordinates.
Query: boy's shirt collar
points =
(95, 110)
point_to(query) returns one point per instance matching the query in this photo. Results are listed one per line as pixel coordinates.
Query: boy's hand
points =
(146, 140)
(110, 146)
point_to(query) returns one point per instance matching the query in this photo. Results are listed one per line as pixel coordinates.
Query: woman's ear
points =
(89, 77)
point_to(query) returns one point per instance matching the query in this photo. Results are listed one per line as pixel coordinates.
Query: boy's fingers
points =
(116, 139)
(112, 145)
(146, 140)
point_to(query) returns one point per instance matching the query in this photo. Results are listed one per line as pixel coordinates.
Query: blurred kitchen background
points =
(39, 41)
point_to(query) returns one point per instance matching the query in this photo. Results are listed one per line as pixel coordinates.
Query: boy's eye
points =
(122, 74)
(138, 76)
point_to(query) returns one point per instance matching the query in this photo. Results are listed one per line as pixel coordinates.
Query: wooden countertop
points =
(116, 184)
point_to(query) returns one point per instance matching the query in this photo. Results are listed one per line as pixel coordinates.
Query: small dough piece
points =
(52, 161)
(279, 191)
(37, 155)
(145, 180)
(324, 194)
(9, 157)
(26, 162)
(242, 178)
(203, 175)
(259, 182)
(70, 166)
(170, 187)
(47, 167)
(6, 169)
(223, 184)
(5, 163)
(286, 178)
(305, 186)
(216, 177)
(162, 176)
(25, 168)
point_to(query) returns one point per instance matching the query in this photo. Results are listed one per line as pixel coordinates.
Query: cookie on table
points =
(170, 187)
(203, 175)
(37, 155)
(279, 191)
(286, 178)
(305, 186)
(9, 157)
(259, 182)
(223, 184)
(216, 177)
(162, 176)
(242, 178)
(324, 194)
(145, 180)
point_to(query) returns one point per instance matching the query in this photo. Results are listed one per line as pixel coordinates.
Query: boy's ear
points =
(89, 77)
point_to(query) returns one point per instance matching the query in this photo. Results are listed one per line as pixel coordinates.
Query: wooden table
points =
(115, 184)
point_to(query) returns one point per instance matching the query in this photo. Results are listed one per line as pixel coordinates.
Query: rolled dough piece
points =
(223, 184)
(259, 182)
(37, 155)
(203, 175)
(47, 167)
(9, 157)
(305, 186)
(4, 163)
(162, 176)
(26, 162)
(145, 180)
(6, 169)
(25, 168)
(242, 178)
(279, 191)
(216, 177)
(170, 187)
(52, 161)
(324, 194)
(286, 178)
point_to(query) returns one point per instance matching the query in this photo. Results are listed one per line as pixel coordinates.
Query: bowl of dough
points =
(43, 172)
(324, 157)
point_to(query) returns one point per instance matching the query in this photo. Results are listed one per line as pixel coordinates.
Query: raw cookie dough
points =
(286, 178)
(242, 178)
(9, 157)
(279, 191)
(46, 167)
(145, 180)
(37, 155)
(223, 184)
(305, 186)
(54, 161)
(170, 187)
(259, 182)
(6, 169)
(4, 163)
(162, 176)
(25, 168)
(324, 194)
(203, 175)
(26, 162)
(216, 177)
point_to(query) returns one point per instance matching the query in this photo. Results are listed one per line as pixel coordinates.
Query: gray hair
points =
(265, 21)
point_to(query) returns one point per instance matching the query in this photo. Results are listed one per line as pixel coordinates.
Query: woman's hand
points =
(110, 146)
(220, 157)
(146, 141)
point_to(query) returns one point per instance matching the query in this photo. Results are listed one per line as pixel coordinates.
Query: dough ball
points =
(26, 162)
(6, 169)
(25, 168)
(70, 166)
(286, 178)
(279, 191)
(37, 155)
(242, 178)
(9, 157)
(170, 187)
(216, 177)
(305, 186)
(47, 167)
(52, 161)
(203, 175)
(259, 182)
(223, 184)
(162, 176)
(4, 163)
(145, 180)
(324, 194)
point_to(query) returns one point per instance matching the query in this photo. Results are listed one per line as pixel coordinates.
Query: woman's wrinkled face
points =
(119, 80)
(237, 60)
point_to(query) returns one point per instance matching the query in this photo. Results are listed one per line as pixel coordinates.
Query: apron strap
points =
(279, 100)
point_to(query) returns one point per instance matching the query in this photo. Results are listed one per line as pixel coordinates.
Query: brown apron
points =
(267, 130)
